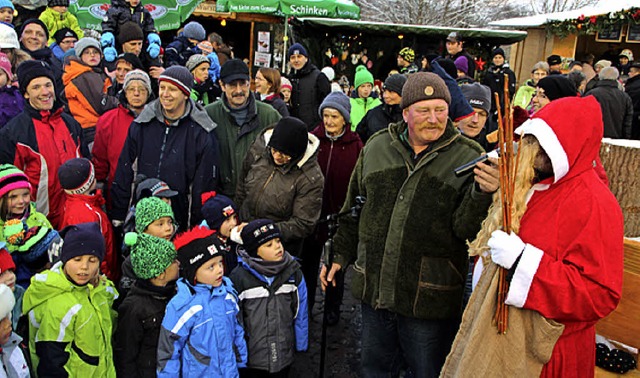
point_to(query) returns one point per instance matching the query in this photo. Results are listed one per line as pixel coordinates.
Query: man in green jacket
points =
(409, 244)
(240, 120)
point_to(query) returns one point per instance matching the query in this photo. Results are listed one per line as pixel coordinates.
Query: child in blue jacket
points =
(273, 301)
(200, 334)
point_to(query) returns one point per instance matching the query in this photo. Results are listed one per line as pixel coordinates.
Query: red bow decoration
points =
(204, 197)
(480, 64)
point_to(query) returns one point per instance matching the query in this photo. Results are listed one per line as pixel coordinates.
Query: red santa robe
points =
(571, 268)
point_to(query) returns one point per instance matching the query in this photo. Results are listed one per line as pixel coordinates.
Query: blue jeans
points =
(391, 341)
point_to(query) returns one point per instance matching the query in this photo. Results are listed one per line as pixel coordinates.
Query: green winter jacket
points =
(56, 21)
(409, 245)
(35, 219)
(235, 140)
(524, 95)
(70, 326)
(360, 107)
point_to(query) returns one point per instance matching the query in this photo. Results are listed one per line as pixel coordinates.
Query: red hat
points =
(6, 262)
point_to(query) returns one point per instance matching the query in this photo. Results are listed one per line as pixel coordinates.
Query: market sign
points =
(295, 8)
(167, 14)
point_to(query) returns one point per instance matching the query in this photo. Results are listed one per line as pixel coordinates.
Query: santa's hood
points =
(570, 131)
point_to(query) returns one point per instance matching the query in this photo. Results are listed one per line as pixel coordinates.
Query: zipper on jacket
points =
(263, 188)
(329, 160)
(162, 147)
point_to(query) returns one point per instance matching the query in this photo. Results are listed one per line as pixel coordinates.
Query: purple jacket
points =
(337, 160)
(11, 104)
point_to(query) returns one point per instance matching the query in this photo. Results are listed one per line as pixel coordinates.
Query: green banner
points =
(167, 14)
(296, 8)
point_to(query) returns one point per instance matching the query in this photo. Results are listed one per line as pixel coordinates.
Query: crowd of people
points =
(160, 218)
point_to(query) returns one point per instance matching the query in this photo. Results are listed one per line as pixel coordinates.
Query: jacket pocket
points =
(358, 281)
(439, 291)
(198, 362)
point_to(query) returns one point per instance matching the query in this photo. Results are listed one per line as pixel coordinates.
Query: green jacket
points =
(56, 21)
(360, 107)
(524, 95)
(235, 140)
(35, 219)
(70, 325)
(409, 245)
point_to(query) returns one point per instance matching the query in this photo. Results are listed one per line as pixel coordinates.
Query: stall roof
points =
(603, 7)
(499, 36)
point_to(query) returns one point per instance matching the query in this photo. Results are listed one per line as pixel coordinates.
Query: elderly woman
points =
(268, 89)
(528, 89)
(337, 156)
(281, 180)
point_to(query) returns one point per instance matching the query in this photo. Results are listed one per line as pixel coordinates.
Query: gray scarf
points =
(266, 268)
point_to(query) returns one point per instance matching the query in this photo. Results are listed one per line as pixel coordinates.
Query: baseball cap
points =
(453, 37)
(154, 188)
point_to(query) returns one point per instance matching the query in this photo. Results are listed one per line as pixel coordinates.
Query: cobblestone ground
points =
(343, 341)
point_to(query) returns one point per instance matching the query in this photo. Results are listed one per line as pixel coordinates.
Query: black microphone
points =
(468, 167)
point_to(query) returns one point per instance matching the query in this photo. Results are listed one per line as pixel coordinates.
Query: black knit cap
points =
(234, 69)
(557, 86)
(130, 31)
(35, 21)
(31, 69)
(449, 67)
(76, 175)
(195, 247)
(82, 239)
(290, 137)
(216, 208)
(61, 3)
(258, 232)
(131, 59)
(395, 83)
(498, 51)
(554, 59)
(63, 33)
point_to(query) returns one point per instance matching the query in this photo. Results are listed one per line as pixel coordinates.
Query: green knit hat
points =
(150, 255)
(363, 76)
(150, 209)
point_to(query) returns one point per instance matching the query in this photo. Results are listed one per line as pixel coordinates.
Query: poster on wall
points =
(610, 34)
(633, 33)
(262, 59)
(264, 41)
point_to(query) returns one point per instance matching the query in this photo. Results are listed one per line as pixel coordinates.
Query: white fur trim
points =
(7, 301)
(550, 143)
(523, 276)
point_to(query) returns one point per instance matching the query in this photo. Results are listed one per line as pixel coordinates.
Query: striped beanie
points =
(150, 255)
(12, 178)
(77, 175)
(178, 76)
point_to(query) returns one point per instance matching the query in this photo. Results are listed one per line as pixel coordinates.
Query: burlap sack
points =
(479, 351)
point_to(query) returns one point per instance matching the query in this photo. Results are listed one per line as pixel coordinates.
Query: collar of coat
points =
(194, 111)
(312, 146)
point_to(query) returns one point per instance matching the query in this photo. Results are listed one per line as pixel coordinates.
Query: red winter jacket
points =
(81, 208)
(111, 132)
(38, 143)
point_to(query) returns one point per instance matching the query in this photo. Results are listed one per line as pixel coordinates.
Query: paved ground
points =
(343, 341)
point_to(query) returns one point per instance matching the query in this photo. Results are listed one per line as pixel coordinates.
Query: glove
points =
(107, 40)
(505, 248)
(153, 50)
(110, 54)
(153, 38)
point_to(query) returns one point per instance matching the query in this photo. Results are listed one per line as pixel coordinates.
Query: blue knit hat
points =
(297, 48)
(338, 101)
(6, 4)
(216, 208)
(194, 30)
(82, 239)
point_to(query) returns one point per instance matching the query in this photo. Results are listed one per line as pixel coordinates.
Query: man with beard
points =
(240, 120)
(171, 140)
(309, 87)
(564, 256)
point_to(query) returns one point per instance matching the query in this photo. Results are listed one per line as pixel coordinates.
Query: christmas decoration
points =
(591, 25)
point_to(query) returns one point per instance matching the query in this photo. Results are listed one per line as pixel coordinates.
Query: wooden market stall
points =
(603, 30)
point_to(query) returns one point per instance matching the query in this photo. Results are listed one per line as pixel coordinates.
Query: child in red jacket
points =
(84, 204)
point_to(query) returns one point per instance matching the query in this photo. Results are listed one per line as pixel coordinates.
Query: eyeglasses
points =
(140, 90)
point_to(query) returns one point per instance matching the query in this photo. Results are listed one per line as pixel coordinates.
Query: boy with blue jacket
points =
(200, 334)
(273, 301)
